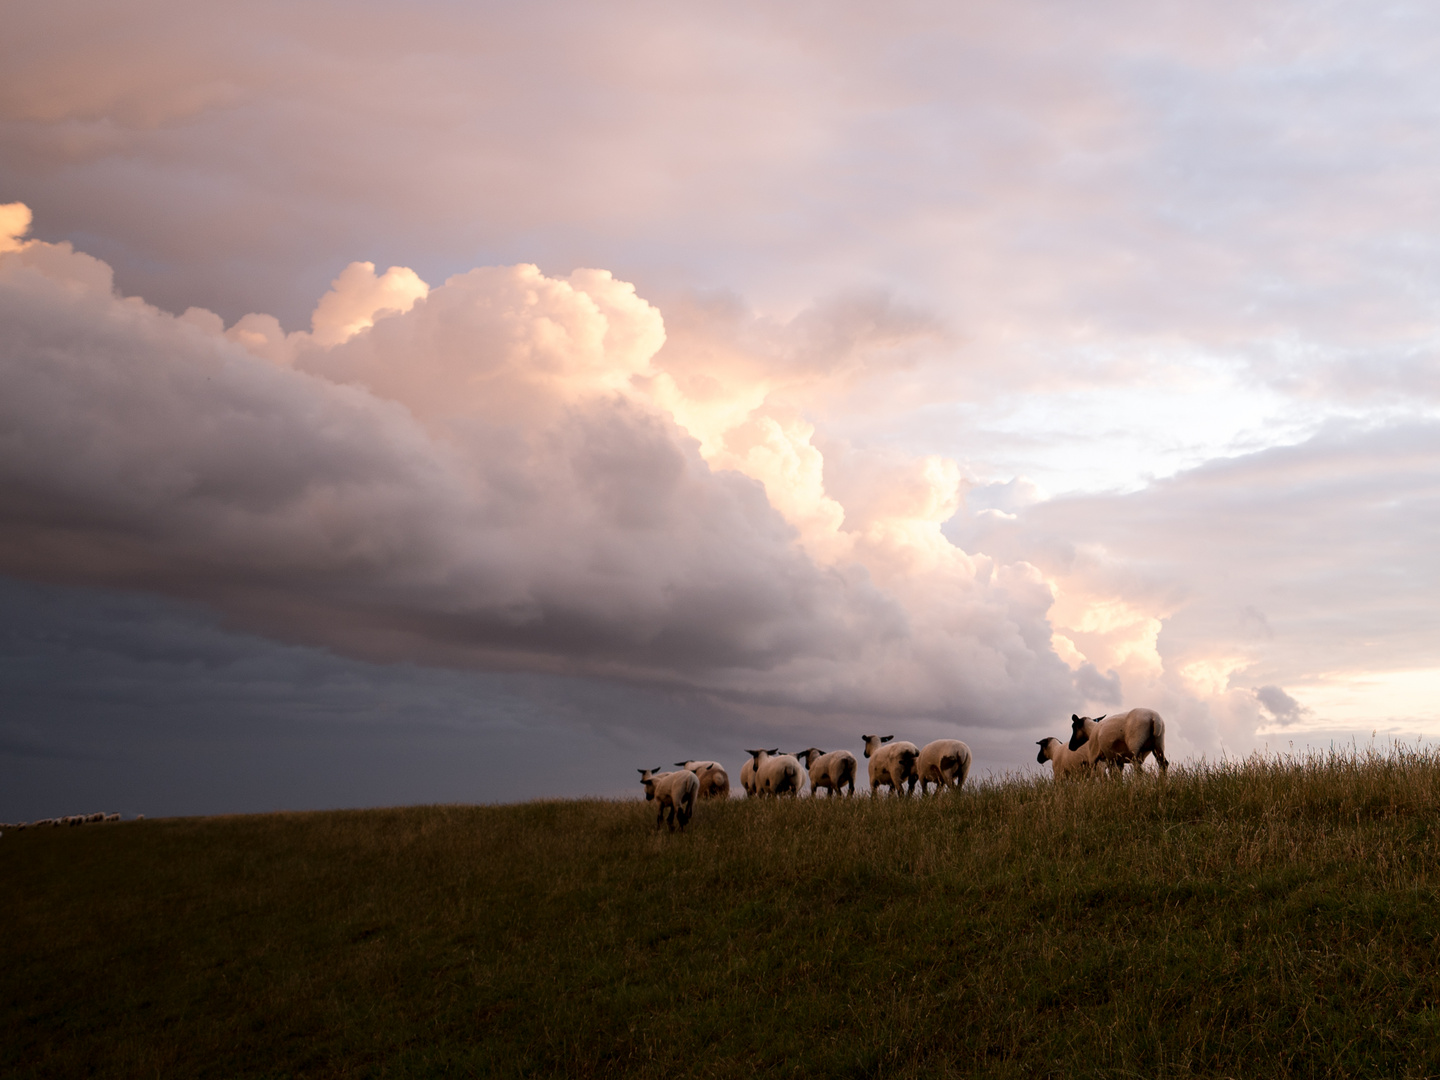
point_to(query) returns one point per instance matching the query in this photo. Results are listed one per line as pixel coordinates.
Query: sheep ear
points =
(886, 738)
(1101, 717)
(679, 764)
(775, 751)
(1074, 718)
(1041, 742)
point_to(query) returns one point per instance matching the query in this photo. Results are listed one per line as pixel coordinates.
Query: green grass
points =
(1249, 920)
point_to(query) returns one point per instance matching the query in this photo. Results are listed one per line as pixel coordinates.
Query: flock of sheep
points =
(1099, 743)
(72, 819)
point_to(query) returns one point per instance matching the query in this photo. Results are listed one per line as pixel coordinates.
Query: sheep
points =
(714, 780)
(1065, 763)
(112, 817)
(747, 771)
(944, 763)
(1130, 736)
(675, 791)
(98, 816)
(776, 773)
(831, 771)
(893, 765)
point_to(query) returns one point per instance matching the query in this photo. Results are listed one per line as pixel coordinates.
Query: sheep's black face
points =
(1078, 737)
(1040, 758)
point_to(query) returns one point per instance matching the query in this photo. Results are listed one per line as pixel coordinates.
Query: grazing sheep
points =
(747, 771)
(99, 816)
(776, 773)
(714, 780)
(831, 771)
(944, 763)
(1132, 736)
(1065, 763)
(112, 817)
(893, 765)
(675, 791)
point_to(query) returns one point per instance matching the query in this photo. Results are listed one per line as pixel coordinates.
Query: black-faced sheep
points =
(944, 763)
(776, 773)
(1066, 764)
(831, 771)
(714, 780)
(672, 791)
(1125, 737)
(892, 765)
(747, 771)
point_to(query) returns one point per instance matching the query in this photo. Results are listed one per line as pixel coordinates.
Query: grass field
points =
(1249, 920)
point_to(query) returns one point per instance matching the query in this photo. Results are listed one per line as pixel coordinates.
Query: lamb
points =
(1065, 763)
(714, 780)
(776, 775)
(1132, 736)
(944, 763)
(831, 771)
(747, 771)
(893, 765)
(675, 791)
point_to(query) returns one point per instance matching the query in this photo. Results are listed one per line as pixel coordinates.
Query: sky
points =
(480, 402)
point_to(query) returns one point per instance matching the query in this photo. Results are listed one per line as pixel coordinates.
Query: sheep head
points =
(873, 742)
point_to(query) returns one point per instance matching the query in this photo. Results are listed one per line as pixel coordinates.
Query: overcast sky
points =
(478, 402)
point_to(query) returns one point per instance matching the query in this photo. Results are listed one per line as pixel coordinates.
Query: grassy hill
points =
(1248, 920)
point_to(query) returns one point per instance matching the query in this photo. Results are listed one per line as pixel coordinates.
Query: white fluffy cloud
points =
(491, 472)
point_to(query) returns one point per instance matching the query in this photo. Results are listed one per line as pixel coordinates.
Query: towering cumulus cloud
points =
(504, 470)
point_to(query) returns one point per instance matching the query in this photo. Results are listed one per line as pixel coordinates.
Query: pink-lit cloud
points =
(487, 474)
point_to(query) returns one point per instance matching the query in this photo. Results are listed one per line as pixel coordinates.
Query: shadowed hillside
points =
(1250, 919)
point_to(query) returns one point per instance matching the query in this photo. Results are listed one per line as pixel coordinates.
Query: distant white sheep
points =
(112, 817)
(892, 765)
(776, 773)
(1125, 737)
(714, 780)
(831, 771)
(944, 763)
(1066, 764)
(672, 791)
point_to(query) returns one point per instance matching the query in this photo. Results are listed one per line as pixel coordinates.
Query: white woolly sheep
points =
(1065, 763)
(1131, 736)
(747, 771)
(776, 773)
(893, 765)
(944, 763)
(831, 771)
(673, 791)
(112, 817)
(714, 780)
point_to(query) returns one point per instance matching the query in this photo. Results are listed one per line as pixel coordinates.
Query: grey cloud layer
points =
(438, 489)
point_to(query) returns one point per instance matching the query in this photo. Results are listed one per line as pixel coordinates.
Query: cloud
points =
(1307, 567)
(491, 473)
(1284, 708)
